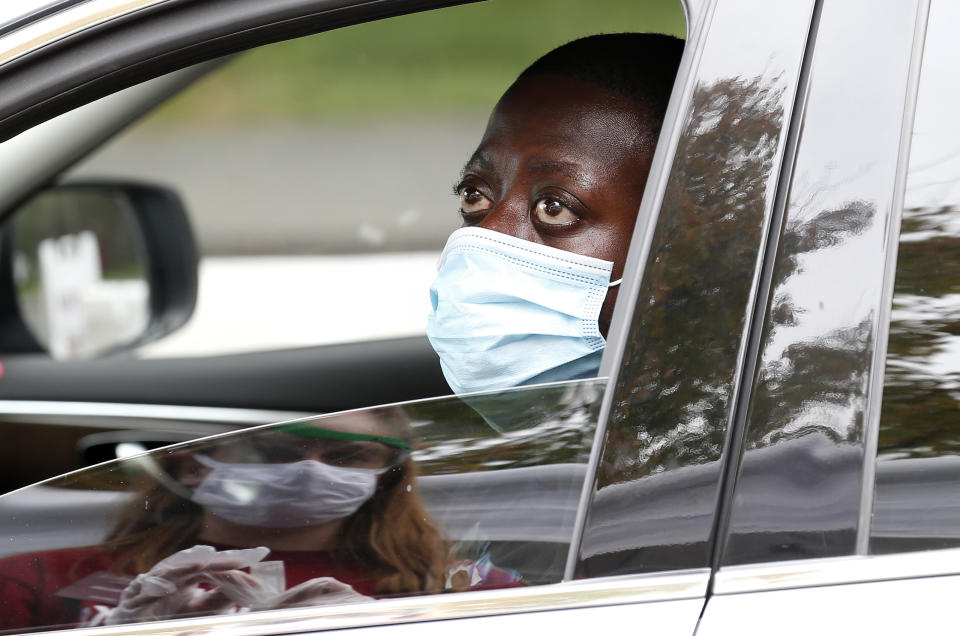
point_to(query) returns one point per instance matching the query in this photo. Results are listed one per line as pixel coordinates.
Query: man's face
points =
(562, 163)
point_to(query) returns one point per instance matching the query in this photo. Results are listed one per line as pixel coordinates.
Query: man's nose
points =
(510, 215)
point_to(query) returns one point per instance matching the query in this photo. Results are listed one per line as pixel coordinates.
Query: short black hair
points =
(638, 66)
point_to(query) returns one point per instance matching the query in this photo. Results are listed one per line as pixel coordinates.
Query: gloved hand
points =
(171, 587)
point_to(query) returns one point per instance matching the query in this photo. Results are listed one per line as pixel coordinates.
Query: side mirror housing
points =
(94, 267)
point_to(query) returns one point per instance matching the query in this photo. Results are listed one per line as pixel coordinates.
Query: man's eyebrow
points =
(553, 166)
(480, 161)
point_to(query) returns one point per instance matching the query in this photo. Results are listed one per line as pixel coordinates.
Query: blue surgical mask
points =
(508, 312)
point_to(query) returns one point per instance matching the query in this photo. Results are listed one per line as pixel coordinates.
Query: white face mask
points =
(289, 495)
(508, 312)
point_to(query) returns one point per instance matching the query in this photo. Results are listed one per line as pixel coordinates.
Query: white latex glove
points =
(171, 587)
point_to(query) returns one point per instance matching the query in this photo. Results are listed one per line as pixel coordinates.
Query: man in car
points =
(526, 288)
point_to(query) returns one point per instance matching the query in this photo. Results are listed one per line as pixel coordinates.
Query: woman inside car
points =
(526, 288)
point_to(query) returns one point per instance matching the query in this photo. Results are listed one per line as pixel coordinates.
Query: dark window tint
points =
(917, 497)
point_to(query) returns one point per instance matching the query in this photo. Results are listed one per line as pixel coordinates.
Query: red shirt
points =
(52, 588)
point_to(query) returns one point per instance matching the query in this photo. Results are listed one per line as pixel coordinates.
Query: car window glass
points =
(917, 491)
(660, 469)
(318, 172)
(418, 498)
(320, 200)
(799, 490)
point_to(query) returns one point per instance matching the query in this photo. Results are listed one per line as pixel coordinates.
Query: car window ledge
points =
(681, 585)
(784, 575)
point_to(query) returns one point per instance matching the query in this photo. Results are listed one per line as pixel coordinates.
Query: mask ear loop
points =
(615, 283)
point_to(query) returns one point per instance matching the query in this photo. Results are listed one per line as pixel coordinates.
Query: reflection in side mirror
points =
(80, 271)
(90, 268)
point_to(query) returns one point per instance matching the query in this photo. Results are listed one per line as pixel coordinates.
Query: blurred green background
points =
(456, 60)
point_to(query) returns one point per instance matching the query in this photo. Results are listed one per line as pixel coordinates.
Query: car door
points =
(843, 509)
(500, 474)
(643, 532)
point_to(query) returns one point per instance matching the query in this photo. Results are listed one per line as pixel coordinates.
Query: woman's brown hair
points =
(394, 532)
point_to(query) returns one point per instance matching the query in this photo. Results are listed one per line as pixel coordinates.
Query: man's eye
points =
(552, 212)
(472, 201)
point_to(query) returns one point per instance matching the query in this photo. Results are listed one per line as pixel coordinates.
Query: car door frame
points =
(63, 77)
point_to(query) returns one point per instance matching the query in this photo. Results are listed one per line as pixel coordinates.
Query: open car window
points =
(317, 173)
(319, 200)
(419, 498)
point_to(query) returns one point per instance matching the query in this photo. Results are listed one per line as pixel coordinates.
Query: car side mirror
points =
(90, 268)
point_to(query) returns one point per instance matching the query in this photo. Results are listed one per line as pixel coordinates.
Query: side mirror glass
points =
(99, 267)
(80, 271)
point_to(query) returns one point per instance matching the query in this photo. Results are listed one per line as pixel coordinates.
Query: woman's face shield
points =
(308, 440)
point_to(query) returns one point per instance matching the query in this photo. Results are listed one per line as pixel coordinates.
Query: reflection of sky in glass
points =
(741, 22)
(935, 151)
(821, 309)
(833, 169)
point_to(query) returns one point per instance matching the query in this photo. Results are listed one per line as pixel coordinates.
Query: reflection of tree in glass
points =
(675, 409)
(794, 393)
(672, 403)
(528, 427)
(920, 413)
(824, 372)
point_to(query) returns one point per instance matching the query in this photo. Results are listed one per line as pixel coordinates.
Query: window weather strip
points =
(675, 586)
